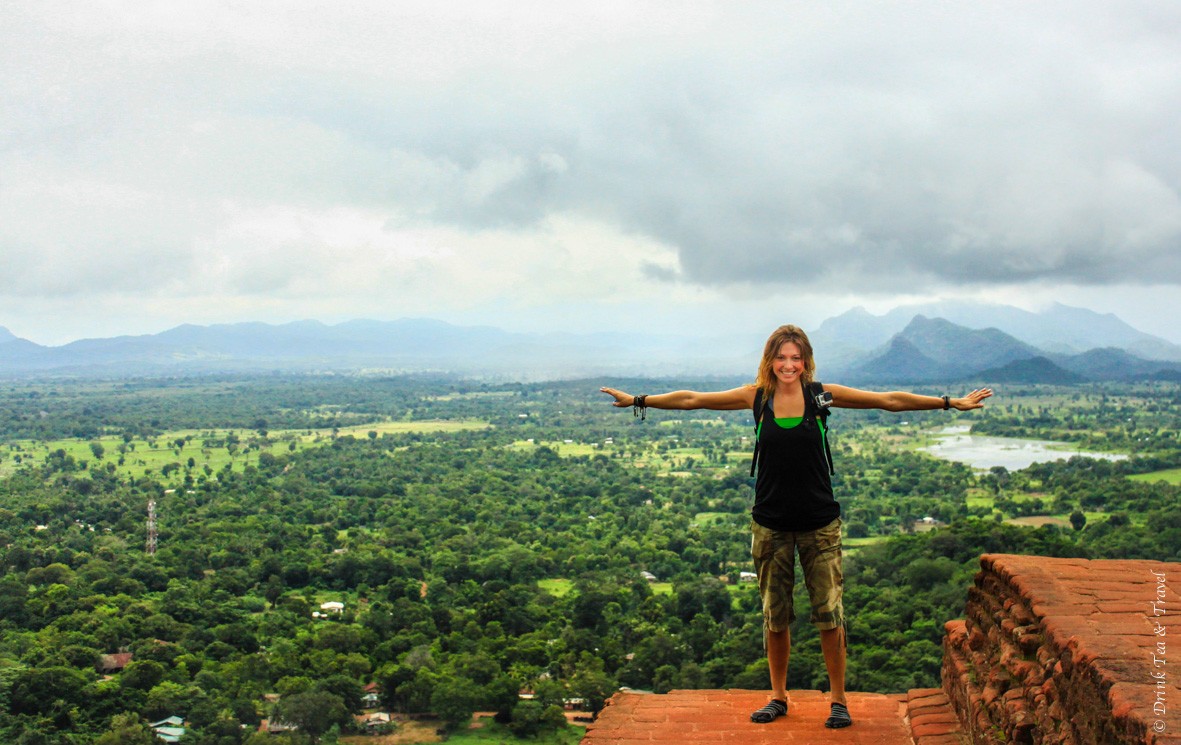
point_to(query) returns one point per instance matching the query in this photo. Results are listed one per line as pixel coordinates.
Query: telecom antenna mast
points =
(151, 527)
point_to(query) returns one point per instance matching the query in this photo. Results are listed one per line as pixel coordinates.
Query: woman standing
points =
(794, 508)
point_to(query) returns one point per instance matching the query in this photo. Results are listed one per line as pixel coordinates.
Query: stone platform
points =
(1051, 652)
(681, 717)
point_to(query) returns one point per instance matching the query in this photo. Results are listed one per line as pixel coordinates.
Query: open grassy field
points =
(850, 546)
(702, 519)
(208, 449)
(979, 499)
(565, 448)
(556, 586)
(1037, 521)
(661, 588)
(471, 395)
(1063, 521)
(866, 541)
(397, 427)
(1170, 476)
(670, 462)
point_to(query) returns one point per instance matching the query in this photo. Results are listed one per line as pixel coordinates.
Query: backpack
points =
(813, 389)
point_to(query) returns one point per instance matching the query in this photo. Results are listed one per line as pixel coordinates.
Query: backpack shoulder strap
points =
(757, 412)
(815, 388)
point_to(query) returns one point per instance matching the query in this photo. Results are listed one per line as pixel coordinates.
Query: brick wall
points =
(1066, 651)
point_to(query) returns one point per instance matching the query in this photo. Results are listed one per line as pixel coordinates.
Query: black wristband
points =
(639, 408)
(946, 403)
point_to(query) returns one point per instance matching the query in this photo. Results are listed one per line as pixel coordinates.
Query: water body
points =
(1014, 453)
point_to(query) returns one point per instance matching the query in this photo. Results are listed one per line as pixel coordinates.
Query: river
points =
(1014, 453)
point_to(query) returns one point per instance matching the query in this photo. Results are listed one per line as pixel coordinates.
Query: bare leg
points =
(778, 653)
(832, 643)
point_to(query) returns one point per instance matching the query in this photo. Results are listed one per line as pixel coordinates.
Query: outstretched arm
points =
(853, 398)
(735, 398)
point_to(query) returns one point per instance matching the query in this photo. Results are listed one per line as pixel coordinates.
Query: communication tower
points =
(151, 527)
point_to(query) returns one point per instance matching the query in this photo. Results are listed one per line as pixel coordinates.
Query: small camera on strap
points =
(823, 400)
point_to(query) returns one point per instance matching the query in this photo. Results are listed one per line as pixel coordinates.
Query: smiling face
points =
(788, 364)
(786, 353)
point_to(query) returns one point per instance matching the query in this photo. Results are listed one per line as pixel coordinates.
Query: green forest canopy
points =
(448, 545)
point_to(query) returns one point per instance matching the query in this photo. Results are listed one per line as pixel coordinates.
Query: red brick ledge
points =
(1061, 651)
(932, 720)
(723, 716)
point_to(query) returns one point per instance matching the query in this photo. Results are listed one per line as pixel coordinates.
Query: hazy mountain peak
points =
(1059, 328)
(923, 323)
(937, 349)
(6, 335)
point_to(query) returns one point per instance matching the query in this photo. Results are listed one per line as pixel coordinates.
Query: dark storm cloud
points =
(1007, 144)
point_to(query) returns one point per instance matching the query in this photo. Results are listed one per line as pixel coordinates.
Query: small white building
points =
(332, 606)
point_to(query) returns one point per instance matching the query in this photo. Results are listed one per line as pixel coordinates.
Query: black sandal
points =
(838, 717)
(770, 712)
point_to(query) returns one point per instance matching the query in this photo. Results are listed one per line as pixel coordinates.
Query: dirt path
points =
(410, 732)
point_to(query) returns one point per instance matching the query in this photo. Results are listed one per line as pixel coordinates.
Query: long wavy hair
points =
(765, 380)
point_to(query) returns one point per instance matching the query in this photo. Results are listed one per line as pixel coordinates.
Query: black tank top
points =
(793, 490)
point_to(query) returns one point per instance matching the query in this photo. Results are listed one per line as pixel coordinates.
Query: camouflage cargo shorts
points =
(775, 563)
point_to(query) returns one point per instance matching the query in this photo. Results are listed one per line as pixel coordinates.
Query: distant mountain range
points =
(935, 349)
(948, 342)
(1059, 329)
(408, 345)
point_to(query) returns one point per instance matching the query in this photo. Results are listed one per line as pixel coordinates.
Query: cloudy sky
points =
(657, 166)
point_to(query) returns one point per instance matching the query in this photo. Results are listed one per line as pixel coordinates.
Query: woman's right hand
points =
(622, 400)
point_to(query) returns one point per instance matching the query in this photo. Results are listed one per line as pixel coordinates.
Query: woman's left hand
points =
(622, 399)
(974, 400)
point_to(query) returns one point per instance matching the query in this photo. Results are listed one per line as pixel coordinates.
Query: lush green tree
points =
(127, 729)
(292, 684)
(346, 688)
(501, 695)
(454, 700)
(531, 718)
(171, 699)
(142, 674)
(47, 689)
(592, 684)
(314, 712)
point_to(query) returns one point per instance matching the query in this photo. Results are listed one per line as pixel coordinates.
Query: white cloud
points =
(276, 159)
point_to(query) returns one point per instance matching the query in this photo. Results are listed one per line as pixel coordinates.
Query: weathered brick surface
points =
(1061, 651)
(932, 720)
(681, 717)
